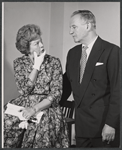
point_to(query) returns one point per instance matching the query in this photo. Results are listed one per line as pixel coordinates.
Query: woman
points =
(39, 80)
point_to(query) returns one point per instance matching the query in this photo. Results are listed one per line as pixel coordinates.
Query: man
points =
(92, 69)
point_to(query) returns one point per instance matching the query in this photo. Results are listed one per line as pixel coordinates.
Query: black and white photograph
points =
(61, 74)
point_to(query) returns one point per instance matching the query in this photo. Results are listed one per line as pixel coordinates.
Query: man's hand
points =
(108, 133)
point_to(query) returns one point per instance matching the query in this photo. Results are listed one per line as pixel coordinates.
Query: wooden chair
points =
(68, 109)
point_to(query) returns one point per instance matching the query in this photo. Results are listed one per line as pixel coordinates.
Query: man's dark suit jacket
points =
(97, 98)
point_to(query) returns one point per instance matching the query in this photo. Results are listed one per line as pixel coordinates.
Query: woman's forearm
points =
(42, 105)
(33, 75)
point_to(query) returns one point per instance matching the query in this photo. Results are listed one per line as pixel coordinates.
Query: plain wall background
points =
(53, 19)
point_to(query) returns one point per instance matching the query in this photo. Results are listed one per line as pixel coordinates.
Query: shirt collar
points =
(92, 43)
(88, 50)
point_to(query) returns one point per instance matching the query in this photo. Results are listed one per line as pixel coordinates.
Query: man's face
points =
(78, 29)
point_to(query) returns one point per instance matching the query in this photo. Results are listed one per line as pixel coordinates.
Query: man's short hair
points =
(87, 15)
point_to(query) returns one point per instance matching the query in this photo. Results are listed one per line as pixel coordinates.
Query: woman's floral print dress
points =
(52, 129)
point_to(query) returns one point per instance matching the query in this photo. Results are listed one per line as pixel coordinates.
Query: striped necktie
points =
(83, 62)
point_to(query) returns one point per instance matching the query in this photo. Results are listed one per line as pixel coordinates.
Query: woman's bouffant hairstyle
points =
(25, 35)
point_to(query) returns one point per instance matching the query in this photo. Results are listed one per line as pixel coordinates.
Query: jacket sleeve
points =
(24, 84)
(114, 79)
(67, 84)
(66, 89)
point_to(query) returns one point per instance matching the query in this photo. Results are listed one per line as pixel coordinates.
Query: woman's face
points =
(36, 46)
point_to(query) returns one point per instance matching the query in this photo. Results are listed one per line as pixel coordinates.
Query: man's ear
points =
(88, 26)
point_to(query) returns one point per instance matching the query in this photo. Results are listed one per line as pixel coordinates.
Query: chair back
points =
(68, 108)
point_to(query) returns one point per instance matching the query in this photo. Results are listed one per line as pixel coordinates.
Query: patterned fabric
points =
(83, 62)
(52, 129)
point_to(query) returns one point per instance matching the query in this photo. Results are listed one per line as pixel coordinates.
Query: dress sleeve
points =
(24, 84)
(56, 83)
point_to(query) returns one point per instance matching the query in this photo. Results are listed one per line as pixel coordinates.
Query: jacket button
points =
(93, 94)
(94, 80)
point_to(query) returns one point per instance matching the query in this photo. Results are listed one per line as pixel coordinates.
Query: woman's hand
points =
(38, 60)
(27, 113)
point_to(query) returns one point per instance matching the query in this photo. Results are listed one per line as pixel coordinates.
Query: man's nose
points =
(71, 31)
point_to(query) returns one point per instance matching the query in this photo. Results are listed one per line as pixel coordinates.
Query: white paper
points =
(15, 111)
(15, 107)
(23, 125)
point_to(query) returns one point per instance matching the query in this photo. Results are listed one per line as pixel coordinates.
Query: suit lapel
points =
(93, 58)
